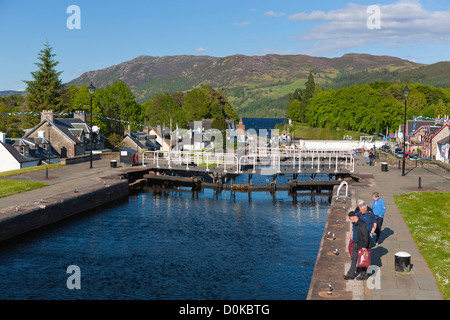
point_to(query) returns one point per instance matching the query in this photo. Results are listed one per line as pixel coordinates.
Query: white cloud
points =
(200, 49)
(403, 23)
(242, 24)
(273, 14)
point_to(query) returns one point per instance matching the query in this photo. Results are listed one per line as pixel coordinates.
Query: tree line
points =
(370, 108)
(47, 92)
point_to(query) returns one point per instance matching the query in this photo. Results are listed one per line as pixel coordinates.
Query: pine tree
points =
(44, 92)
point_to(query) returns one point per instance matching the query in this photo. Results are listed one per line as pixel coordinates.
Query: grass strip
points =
(428, 218)
(30, 169)
(10, 187)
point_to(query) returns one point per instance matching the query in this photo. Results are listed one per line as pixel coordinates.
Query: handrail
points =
(339, 189)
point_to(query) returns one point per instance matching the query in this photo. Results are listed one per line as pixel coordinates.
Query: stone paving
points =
(419, 283)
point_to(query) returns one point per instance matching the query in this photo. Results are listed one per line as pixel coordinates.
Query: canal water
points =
(172, 246)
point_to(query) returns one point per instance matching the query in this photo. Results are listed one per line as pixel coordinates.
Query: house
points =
(141, 141)
(415, 141)
(411, 127)
(23, 153)
(435, 143)
(70, 137)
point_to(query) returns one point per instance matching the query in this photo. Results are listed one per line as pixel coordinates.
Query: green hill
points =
(255, 85)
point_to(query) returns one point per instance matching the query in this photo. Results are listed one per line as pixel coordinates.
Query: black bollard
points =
(420, 183)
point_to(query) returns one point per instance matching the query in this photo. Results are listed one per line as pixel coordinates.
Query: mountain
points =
(249, 81)
(5, 93)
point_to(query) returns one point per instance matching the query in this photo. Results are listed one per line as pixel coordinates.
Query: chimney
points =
(80, 115)
(48, 114)
(128, 131)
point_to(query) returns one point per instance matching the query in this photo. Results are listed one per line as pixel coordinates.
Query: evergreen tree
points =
(298, 101)
(44, 92)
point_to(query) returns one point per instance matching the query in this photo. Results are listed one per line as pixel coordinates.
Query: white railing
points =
(270, 158)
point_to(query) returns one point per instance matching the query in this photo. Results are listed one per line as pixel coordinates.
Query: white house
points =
(12, 159)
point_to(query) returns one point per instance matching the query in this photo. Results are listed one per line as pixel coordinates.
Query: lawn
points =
(10, 187)
(30, 169)
(427, 215)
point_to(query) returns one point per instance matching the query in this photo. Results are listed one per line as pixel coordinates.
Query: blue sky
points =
(116, 31)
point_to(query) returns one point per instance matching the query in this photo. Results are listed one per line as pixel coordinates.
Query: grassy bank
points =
(428, 218)
(30, 169)
(10, 187)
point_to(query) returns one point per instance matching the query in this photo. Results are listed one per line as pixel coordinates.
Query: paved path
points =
(419, 283)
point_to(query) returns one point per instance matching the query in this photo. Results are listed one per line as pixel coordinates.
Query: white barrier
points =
(274, 158)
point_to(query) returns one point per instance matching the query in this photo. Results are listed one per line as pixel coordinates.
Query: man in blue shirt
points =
(378, 208)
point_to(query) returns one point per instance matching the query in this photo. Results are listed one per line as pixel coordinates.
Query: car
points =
(385, 148)
(413, 156)
(399, 154)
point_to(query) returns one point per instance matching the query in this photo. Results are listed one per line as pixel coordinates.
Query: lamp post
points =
(49, 149)
(405, 94)
(91, 89)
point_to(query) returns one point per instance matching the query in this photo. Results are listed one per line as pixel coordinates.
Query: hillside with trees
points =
(370, 108)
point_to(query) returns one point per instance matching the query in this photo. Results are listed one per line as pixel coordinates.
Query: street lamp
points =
(91, 89)
(405, 94)
(49, 146)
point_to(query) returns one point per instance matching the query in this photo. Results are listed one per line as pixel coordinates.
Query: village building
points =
(431, 140)
(21, 153)
(141, 141)
(70, 137)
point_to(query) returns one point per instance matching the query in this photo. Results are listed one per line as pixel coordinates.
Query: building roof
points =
(413, 125)
(144, 141)
(16, 154)
(73, 128)
(35, 147)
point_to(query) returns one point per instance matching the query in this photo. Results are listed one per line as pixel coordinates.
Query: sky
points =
(95, 34)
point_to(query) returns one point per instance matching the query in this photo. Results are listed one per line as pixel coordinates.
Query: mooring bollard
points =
(402, 261)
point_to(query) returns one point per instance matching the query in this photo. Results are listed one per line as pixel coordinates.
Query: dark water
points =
(262, 123)
(173, 245)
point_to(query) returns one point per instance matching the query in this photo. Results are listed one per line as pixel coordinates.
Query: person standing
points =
(360, 237)
(366, 214)
(378, 209)
(371, 157)
(366, 156)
